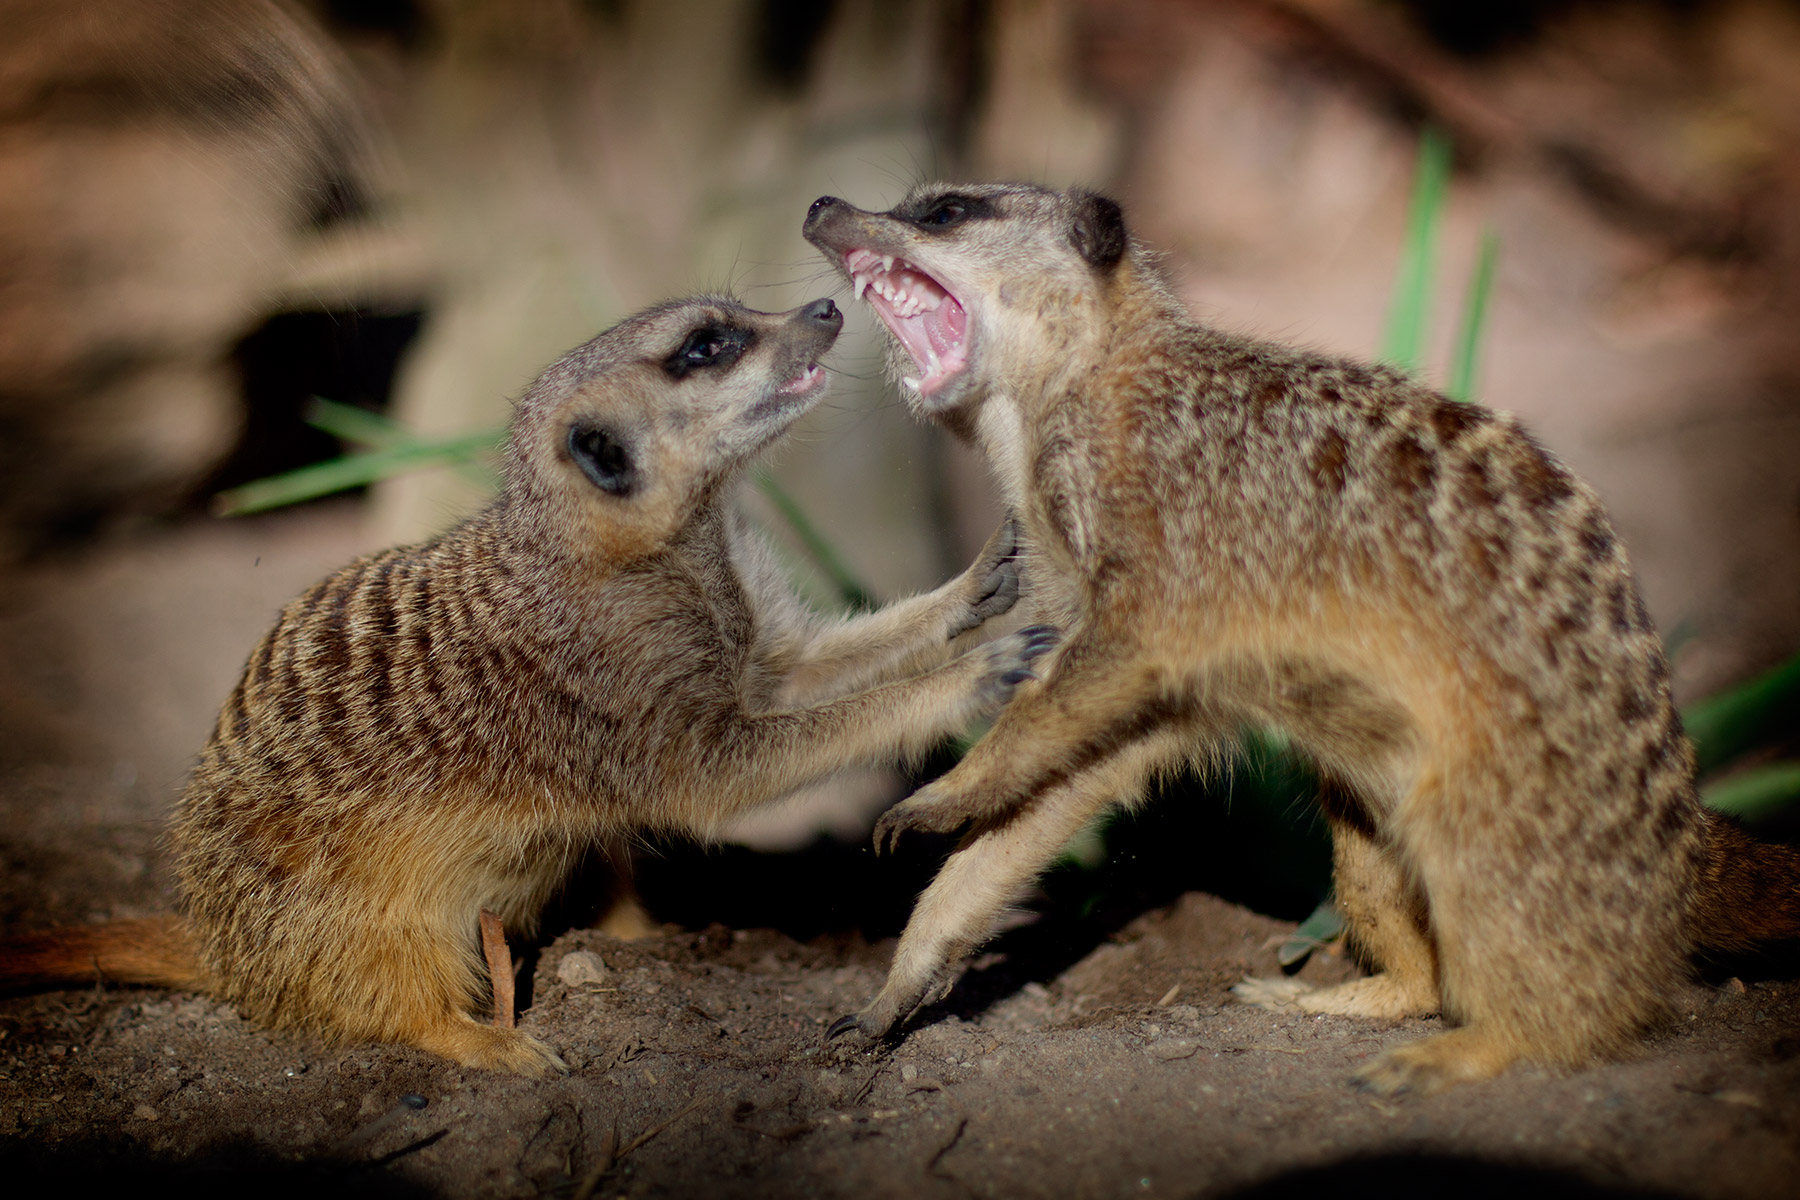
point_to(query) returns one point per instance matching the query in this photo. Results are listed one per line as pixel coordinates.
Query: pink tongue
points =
(945, 326)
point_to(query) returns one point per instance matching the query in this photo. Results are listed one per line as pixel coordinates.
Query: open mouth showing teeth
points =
(802, 382)
(790, 399)
(921, 314)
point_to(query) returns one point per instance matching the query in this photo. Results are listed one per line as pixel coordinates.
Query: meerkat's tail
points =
(154, 951)
(1749, 890)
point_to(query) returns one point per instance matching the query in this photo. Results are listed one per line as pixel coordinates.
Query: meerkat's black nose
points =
(824, 312)
(820, 208)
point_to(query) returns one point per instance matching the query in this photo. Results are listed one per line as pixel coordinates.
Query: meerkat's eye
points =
(708, 346)
(947, 212)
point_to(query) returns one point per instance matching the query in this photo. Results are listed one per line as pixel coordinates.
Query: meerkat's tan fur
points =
(436, 730)
(1236, 534)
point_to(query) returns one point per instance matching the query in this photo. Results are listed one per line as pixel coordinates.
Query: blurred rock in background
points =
(162, 163)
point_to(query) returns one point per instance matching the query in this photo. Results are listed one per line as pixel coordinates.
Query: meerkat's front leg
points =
(906, 636)
(743, 758)
(988, 871)
(1093, 699)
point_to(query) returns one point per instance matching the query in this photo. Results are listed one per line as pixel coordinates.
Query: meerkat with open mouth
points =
(1236, 534)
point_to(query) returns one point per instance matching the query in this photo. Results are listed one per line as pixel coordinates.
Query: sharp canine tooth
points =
(914, 384)
(862, 285)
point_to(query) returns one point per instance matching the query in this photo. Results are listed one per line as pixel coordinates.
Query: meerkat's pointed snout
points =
(832, 225)
(818, 210)
(807, 332)
(825, 314)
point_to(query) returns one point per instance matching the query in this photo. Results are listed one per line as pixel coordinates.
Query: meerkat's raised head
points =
(629, 435)
(987, 289)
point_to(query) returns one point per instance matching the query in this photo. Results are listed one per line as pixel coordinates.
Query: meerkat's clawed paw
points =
(1008, 662)
(848, 1023)
(994, 578)
(1385, 997)
(898, 1000)
(490, 1048)
(1423, 1067)
(925, 811)
(935, 808)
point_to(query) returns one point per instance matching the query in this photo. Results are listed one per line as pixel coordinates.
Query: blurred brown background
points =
(211, 210)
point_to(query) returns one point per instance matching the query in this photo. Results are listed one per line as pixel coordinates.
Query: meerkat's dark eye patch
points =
(945, 212)
(708, 346)
(604, 458)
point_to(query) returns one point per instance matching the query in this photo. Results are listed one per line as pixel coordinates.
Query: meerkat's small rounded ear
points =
(604, 458)
(1099, 230)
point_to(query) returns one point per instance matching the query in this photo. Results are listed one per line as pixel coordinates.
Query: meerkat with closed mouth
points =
(1238, 534)
(447, 728)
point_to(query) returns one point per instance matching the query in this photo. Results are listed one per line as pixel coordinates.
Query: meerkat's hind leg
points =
(463, 1039)
(1441, 1061)
(1385, 921)
(1382, 997)
(623, 914)
(1549, 950)
(414, 981)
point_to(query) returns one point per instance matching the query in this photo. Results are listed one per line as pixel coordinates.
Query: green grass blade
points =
(856, 596)
(349, 423)
(352, 470)
(1474, 320)
(359, 426)
(1723, 726)
(1758, 792)
(1411, 302)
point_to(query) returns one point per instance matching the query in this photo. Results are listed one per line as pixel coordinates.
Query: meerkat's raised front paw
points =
(935, 808)
(994, 579)
(1007, 662)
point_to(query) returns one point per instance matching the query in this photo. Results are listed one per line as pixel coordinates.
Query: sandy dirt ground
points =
(1082, 1056)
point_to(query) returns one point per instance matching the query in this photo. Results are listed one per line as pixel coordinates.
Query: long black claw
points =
(887, 836)
(1016, 676)
(842, 1026)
